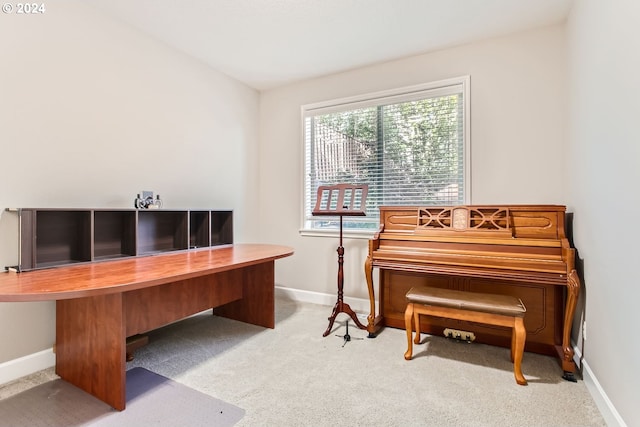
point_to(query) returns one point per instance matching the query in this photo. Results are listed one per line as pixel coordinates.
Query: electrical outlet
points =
(459, 335)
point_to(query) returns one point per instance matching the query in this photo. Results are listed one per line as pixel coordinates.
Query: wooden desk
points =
(99, 305)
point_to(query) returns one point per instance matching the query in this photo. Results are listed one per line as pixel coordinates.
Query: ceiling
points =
(267, 43)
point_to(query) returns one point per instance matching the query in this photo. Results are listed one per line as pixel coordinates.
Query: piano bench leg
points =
(408, 323)
(517, 344)
(416, 322)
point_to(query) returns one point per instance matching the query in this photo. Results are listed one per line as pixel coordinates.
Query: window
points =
(409, 145)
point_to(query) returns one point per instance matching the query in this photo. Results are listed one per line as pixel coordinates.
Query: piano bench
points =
(490, 309)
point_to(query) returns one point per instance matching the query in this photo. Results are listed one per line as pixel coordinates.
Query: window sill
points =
(348, 234)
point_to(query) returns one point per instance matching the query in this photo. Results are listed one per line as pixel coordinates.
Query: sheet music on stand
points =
(341, 200)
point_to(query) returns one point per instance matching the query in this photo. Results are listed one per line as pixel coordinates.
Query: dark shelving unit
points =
(55, 237)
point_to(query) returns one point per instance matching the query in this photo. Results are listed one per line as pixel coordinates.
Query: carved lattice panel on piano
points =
(473, 221)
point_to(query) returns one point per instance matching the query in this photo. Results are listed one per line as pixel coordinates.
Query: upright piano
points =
(519, 250)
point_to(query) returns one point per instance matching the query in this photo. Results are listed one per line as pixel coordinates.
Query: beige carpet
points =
(292, 376)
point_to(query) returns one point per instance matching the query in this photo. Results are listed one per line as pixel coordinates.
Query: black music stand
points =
(341, 200)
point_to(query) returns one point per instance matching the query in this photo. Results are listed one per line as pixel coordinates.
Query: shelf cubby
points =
(221, 228)
(162, 231)
(62, 237)
(199, 225)
(114, 234)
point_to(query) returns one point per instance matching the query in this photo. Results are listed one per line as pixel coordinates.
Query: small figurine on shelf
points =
(146, 201)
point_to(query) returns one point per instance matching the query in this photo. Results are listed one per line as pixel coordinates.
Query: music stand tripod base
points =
(342, 307)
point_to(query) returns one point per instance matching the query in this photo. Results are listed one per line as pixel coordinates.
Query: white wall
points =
(92, 112)
(518, 115)
(603, 173)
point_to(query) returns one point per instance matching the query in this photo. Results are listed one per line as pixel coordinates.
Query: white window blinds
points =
(410, 146)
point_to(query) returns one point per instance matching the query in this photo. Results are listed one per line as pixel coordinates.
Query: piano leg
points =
(374, 323)
(573, 289)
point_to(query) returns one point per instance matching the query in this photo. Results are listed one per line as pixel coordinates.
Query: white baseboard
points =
(608, 411)
(359, 305)
(26, 365)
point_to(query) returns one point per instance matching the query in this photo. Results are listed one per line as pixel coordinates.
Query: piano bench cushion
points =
(463, 300)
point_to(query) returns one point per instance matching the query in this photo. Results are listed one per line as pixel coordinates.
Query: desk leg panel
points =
(90, 346)
(150, 308)
(257, 305)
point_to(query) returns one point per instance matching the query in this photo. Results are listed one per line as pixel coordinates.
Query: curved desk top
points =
(127, 274)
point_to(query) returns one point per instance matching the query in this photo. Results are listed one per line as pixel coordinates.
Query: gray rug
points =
(151, 400)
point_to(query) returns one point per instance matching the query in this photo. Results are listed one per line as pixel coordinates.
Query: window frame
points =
(402, 94)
